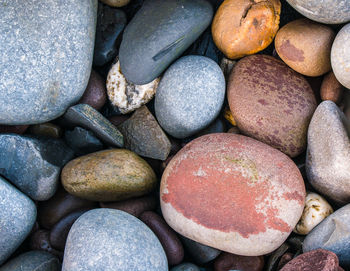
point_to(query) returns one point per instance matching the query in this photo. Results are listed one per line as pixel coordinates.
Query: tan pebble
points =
(331, 89)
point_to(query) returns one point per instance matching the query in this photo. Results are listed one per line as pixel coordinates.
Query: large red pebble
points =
(233, 193)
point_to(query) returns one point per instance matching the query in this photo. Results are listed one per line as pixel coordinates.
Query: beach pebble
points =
(227, 261)
(331, 89)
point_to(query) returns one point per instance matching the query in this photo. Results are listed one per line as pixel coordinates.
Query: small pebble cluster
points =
(181, 135)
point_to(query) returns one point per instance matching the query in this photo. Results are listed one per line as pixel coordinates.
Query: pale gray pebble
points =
(17, 217)
(112, 240)
(184, 267)
(46, 49)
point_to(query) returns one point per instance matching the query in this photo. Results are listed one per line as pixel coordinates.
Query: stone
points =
(245, 27)
(327, 137)
(40, 240)
(185, 267)
(109, 175)
(46, 130)
(106, 239)
(109, 28)
(158, 34)
(119, 119)
(327, 11)
(316, 209)
(87, 117)
(13, 129)
(331, 89)
(190, 96)
(229, 117)
(271, 103)
(226, 66)
(116, 3)
(332, 234)
(305, 46)
(227, 261)
(233, 193)
(17, 216)
(275, 257)
(286, 257)
(143, 135)
(46, 57)
(340, 57)
(33, 261)
(33, 164)
(217, 126)
(82, 141)
(95, 93)
(125, 95)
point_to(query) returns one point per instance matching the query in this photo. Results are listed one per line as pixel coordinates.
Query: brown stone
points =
(13, 129)
(46, 129)
(227, 261)
(331, 89)
(117, 120)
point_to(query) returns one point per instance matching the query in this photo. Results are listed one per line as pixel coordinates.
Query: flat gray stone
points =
(328, 152)
(33, 164)
(158, 34)
(189, 96)
(112, 240)
(33, 261)
(325, 11)
(46, 49)
(17, 217)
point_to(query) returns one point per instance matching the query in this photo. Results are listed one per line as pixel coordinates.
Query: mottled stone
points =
(46, 129)
(331, 89)
(33, 261)
(185, 267)
(328, 152)
(17, 217)
(46, 57)
(33, 164)
(190, 96)
(89, 118)
(106, 239)
(143, 135)
(340, 55)
(159, 33)
(233, 193)
(227, 261)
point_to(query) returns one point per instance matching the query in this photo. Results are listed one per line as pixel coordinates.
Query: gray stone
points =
(332, 234)
(33, 261)
(46, 49)
(184, 267)
(325, 11)
(144, 136)
(340, 55)
(82, 141)
(17, 217)
(110, 24)
(190, 96)
(112, 240)
(33, 164)
(86, 116)
(328, 152)
(159, 33)
(217, 126)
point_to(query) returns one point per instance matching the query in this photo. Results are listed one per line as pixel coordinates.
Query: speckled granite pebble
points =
(33, 164)
(45, 57)
(17, 217)
(110, 240)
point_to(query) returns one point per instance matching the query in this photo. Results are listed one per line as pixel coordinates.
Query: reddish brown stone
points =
(95, 93)
(13, 129)
(227, 261)
(331, 89)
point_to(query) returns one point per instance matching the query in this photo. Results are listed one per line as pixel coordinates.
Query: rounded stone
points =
(185, 267)
(232, 193)
(116, 3)
(305, 46)
(271, 102)
(109, 175)
(106, 239)
(227, 261)
(331, 89)
(245, 27)
(190, 96)
(40, 240)
(340, 55)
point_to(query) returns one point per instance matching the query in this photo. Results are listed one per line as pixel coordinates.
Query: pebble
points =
(340, 55)
(250, 212)
(226, 66)
(45, 57)
(40, 240)
(331, 89)
(227, 261)
(17, 216)
(271, 103)
(328, 138)
(316, 209)
(305, 46)
(190, 96)
(33, 164)
(158, 34)
(229, 117)
(13, 129)
(106, 239)
(46, 130)
(109, 175)
(185, 267)
(217, 126)
(116, 3)
(33, 261)
(244, 27)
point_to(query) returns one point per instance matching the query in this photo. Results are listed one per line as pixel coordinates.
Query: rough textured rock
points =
(227, 261)
(159, 33)
(46, 130)
(233, 193)
(33, 164)
(17, 216)
(190, 96)
(271, 102)
(331, 89)
(106, 239)
(45, 57)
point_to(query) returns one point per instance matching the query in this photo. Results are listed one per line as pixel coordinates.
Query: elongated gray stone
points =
(46, 49)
